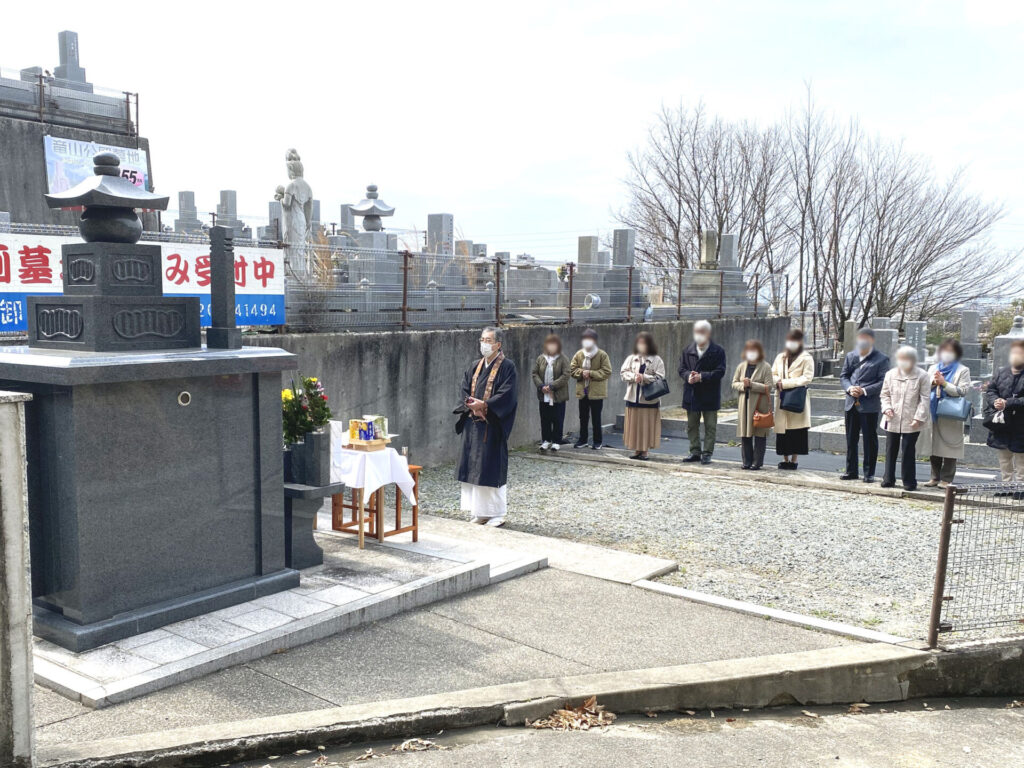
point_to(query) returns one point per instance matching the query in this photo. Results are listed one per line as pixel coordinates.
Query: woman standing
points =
(948, 378)
(591, 367)
(905, 407)
(551, 378)
(791, 369)
(752, 381)
(642, 430)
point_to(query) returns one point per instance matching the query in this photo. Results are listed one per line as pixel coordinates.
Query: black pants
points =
(552, 418)
(590, 411)
(753, 449)
(856, 423)
(905, 444)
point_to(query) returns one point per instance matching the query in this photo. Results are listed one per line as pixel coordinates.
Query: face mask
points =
(589, 344)
(552, 350)
(906, 365)
(486, 349)
(792, 345)
(1017, 361)
(947, 357)
(863, 345)
(700, 338)
(752, 356)
(641, 349)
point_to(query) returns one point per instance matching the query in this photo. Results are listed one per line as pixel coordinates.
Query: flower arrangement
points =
(303, 408)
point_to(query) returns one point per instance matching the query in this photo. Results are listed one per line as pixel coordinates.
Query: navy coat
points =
(1011, 389)
(869, 375)
(484, 459)
(706, 395)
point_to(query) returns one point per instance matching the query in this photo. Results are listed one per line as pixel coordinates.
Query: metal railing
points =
(43, 98)
(331, 288)
(979, 576)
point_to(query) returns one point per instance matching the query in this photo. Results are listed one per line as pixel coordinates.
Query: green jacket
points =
(560, 386)
(600, 370)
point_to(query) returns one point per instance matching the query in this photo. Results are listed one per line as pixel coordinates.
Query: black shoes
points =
(579, 444)
(693, 457)
(789, 465)
(848, 476)
(705, 458)
(887, 484)
(597, 446)
(869, 478)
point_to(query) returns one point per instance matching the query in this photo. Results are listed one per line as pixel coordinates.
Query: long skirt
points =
(642, 430)
(484, 501)
(792, 442)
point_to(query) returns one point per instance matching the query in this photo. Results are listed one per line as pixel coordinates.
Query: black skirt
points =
(792, 442)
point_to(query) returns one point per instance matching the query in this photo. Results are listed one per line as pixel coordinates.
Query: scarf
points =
(549, 378)
(947, 371)
(587, 357)
(490, 379)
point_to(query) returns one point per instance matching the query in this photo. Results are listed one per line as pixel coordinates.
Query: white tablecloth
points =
(369, 470)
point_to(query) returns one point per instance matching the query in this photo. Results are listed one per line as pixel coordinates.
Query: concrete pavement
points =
(970, 734)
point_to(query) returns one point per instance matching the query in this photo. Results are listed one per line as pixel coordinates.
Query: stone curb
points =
(872, 672)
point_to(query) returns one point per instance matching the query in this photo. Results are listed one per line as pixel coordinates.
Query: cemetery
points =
(234, 522)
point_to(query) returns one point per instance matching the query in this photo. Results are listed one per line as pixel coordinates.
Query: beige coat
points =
(906, 395)
(947, 439)
(630, 368)
(799, 374)
(759, 398)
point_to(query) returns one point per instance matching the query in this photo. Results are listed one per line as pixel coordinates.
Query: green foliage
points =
(1002, 320)
(303, 408)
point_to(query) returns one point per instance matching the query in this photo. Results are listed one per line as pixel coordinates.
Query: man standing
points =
(861, 379)
(486, 416)
(702, 367)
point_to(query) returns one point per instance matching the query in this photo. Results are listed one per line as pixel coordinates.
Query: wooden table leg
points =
(380, 515)
(362, 520)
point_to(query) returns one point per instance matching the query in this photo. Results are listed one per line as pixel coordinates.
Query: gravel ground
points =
(864, 560)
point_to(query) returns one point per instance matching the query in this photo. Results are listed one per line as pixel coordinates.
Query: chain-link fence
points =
(979, 578)
(334, 288)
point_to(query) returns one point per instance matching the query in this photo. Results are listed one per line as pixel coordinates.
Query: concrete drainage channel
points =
(868, 672)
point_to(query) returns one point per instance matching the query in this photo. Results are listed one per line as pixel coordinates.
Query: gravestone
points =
(917, 332)
(729, 252)
(346, 220)
(1001, 344)
(155, 474)
(709, 249)
(850, 328)
(881, 323)
(586, 252)
(970, 320)
(188, 216)
(69, 73)
(886, 342)
(623, 247)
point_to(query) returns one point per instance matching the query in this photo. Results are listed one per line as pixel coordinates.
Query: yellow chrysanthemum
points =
(286, 395)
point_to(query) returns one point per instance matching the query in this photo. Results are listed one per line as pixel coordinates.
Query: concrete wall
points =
(16, 727)
(23, 170)
(413, 377)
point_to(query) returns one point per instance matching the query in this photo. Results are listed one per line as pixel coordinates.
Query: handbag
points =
(793, 400)
(958, 408)
(766, 419)
(655, 390)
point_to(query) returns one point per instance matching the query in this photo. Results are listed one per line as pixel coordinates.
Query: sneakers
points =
(495, 522)
(693, 457)
(555, 446)
(597, 446)
(580, 444)
(545, 446)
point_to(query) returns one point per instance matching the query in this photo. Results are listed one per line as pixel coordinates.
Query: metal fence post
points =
(721, 290)
(405, 288)
(42, 98)
(940, 568)
(679, 295)
(497, 290)
(757, 290)
(572, 270)
(629, 294)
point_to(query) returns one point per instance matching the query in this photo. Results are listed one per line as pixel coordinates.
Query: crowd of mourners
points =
(906, 400)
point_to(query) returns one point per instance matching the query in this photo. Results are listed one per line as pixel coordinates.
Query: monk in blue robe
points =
(486, 416)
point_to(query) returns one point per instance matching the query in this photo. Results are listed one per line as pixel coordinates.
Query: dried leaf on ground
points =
(858, 707)
(588, 715)
(417, 745)
(320, 761)
(1015, 704)
(809, 713)
(370, 755)
(651, 714)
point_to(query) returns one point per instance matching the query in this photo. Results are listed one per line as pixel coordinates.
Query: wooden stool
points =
(373, 510)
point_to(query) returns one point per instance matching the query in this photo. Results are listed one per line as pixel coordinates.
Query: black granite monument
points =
(155, 476)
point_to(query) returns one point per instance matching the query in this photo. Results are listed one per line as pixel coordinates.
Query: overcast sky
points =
(516, 117)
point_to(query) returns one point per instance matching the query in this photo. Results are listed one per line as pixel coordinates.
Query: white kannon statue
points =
(296, 203)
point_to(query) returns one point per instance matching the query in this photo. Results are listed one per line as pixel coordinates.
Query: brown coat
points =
(600, 371)
(758, 398)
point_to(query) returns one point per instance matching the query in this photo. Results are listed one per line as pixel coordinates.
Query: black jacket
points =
(1011, 389)
(706, 395)
(869, 375)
